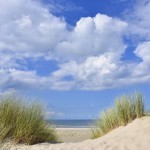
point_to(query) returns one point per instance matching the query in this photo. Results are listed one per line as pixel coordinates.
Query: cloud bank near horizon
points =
(88, 55)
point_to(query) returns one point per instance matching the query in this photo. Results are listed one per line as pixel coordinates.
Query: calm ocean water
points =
(73, 123)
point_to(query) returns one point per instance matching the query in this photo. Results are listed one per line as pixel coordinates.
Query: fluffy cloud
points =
(94, 36)
(17, 79)
(88, 55)
(138, 19)
(28, 29)
(91, 74)
(143, 51)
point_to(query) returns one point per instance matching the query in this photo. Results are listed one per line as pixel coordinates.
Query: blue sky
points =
(76, 56)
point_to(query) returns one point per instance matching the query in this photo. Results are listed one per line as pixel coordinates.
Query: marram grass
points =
(126, 109)
(23, 122)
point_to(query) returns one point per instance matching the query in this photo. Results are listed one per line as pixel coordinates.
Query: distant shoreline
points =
(85, 123)
(74, 127)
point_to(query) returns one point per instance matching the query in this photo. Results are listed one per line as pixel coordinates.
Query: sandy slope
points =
(135, 136)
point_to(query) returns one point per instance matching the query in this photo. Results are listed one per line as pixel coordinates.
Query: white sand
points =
(74, 135)
(135, 136)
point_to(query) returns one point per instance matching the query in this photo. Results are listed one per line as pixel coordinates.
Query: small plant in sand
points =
(23, 122)
(125, 110)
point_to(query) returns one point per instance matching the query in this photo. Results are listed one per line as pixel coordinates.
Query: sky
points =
(75, 56)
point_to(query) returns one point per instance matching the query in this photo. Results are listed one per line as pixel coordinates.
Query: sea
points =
(88, 123)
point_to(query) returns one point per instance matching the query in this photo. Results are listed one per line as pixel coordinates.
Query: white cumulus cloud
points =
(88, 54)
(94, 36)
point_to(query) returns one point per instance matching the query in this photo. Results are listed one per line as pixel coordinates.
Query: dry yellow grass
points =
(126, 109)
(23, 122)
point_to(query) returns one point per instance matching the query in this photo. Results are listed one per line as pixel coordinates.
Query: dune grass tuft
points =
(23, 122)
(126, 109)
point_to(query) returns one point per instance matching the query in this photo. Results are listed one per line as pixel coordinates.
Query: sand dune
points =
(135, 136)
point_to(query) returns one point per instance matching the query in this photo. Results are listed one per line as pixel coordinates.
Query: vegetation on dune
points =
(126, 109)
(23, 122)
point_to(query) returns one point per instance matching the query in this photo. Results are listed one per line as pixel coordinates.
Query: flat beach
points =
(74, 135)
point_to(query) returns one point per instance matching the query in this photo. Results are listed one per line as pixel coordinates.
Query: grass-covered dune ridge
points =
(125, 110)
(23, 122)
